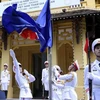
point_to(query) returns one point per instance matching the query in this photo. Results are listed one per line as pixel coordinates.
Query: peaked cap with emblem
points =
(94, 43)
(5, 64)
(46, 62)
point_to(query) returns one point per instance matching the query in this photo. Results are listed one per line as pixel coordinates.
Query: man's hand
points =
(12, 54)
(90, 75)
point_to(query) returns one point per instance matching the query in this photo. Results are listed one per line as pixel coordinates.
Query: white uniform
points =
(57, 89)
(95, 70)
(58, 85)
(5, 79)
(70, 83)
(45, 78)
(25, 92)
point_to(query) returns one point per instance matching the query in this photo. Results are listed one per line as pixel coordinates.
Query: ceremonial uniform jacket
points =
(23, 82)
(95, 70)
(70, 83)
(5, 76)
(45, 78)
(57, 89)
(5, 80)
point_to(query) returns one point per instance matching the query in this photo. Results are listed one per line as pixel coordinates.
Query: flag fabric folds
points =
(86, 45)
(45, 23)
(14, 20)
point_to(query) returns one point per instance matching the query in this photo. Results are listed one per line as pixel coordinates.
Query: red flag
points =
(27, 33)
(86, 45)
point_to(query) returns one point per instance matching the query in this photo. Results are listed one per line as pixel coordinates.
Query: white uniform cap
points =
(95, 42)
(5, 64)
(46, 62)
(76, 65)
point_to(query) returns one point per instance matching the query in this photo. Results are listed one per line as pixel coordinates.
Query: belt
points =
(24, 85)
(69, 87)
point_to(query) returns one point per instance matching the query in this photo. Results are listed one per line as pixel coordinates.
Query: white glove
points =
(26, 72)
(57, 73)
(54, 69)
(88, 96)
(12, 54)
(90, 75)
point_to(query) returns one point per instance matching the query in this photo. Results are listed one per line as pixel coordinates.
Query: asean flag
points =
(29, 34)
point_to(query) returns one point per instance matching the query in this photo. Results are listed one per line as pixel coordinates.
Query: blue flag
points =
(45, 24)
(13, 20)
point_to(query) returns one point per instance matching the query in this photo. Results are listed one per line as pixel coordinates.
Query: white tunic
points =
(70, 83)
(95, 69)
(5, 79)
(23, 83)
(45, 78)
(57, 89)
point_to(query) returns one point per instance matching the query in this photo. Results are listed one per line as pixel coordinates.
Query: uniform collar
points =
(5, 70)
(47, 68)
(96, 63)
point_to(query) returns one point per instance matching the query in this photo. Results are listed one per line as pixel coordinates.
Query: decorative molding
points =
(17, 41)
(76, 27)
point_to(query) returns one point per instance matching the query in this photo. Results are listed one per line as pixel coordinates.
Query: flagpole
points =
(90, 81)
(50, 72)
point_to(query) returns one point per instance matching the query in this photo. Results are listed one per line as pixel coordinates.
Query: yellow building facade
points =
(69, 35)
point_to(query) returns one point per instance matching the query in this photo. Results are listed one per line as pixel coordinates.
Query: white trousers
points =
(4, 86)
(95, 94)
(69, 94)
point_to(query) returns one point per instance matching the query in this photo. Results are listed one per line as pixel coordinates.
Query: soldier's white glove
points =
(54, 69)
(26, 72)
(12, 54)
(90, 75)
(57, 74)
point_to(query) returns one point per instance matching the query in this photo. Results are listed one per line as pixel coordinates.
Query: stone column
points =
(80, 55)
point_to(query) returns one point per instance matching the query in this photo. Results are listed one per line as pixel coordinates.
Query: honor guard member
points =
(45, 79)
(22, 78)
(70, 82)
(5, 79)
(94, 75)
(57, 84)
